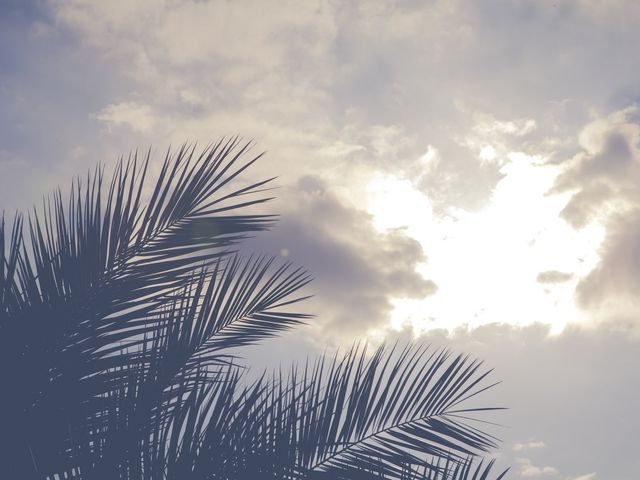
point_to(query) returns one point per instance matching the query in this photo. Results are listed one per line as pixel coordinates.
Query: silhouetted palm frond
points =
(122, 311)
(395, 414)
(9, 258)
(98, 273)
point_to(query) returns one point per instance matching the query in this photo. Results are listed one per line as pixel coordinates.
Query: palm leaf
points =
(121, 320)
(97, 273)
(384, 416)
(386, 407)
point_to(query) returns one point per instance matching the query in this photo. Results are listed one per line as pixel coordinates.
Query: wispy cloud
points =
(138, 117)
(589, 476)
(554, 276)
(518, 447)
(528, 469)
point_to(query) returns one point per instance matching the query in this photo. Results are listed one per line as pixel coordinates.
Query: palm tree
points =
(120, 322)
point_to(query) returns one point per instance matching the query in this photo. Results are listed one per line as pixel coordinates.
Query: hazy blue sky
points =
(465, 172)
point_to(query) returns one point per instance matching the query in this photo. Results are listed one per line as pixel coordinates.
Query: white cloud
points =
(518, 447)
(340, 149)
(553, 277)
(492, 258)
(589, 476)
(487, 153)
(154, 37)
(428, 160)
(516, 128)
(138, 117)
(528, 469)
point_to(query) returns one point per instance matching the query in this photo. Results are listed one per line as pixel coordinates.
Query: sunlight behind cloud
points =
(488, 153)
(487, 264)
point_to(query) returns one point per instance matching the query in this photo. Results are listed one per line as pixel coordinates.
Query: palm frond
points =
(207, 318)
(120, 323)
(97, 273)
(372, 409)
(383, 416)
(9, 257)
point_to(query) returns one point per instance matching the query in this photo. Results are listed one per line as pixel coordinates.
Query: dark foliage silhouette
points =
(120, 322)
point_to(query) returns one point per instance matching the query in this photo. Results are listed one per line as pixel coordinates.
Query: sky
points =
(463, 173)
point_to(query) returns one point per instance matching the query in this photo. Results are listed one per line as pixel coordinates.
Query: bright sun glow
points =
(486, 263)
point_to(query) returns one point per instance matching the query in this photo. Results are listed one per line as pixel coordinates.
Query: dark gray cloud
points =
(603, 178)
(357, 269)
(617, 276)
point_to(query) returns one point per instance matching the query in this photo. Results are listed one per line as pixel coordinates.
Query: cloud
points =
(368, 80)
(603, 175)
(617, 277)
(603, 181)
(357, 269)
(588, 476)
(554, 276)
(517, 128)
(138, 117)
(351, 73)
(518, 447)
(527, 469)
